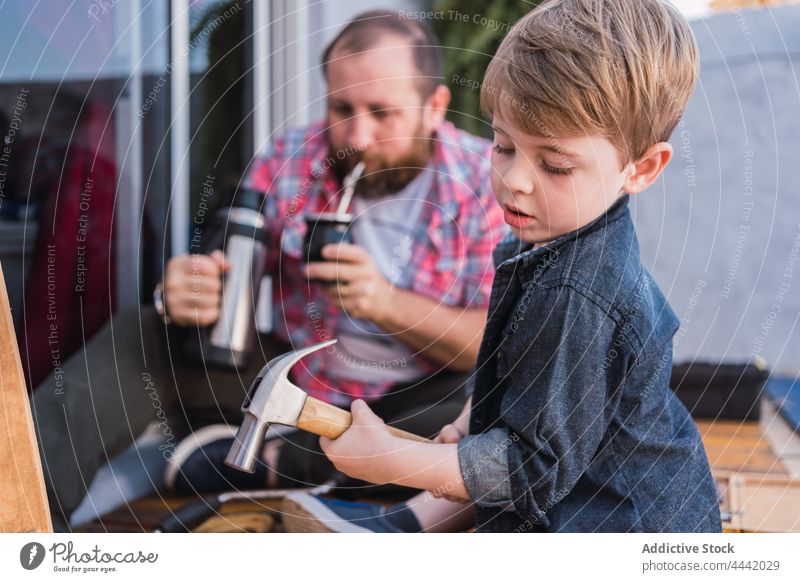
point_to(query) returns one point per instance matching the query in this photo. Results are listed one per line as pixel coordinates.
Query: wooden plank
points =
(781, 437)
(23, 500)
(760, 503)
(756, 487)
(138, 516)
(739, 447)
(747, 464)
(245, 522)
(234, 516)
(730, 429)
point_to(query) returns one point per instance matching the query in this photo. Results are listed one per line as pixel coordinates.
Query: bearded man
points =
(406, 299)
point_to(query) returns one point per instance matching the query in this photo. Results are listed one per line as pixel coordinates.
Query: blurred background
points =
(118, 115)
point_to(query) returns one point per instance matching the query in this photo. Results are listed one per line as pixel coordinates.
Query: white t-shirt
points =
(385, 228)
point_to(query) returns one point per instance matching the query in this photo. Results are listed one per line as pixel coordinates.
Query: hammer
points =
(274, 399)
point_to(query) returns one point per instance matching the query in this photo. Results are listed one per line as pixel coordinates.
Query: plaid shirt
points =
(451, 258)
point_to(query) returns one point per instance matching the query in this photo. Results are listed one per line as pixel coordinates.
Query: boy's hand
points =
(450, 433)
(368, 451)
(357, 453)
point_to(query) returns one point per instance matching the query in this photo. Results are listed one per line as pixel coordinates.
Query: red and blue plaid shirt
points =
(451, 258)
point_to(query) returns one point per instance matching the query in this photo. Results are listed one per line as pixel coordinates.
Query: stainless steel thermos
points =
(230, 341)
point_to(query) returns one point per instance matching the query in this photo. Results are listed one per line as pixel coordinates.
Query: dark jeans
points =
(134, 371)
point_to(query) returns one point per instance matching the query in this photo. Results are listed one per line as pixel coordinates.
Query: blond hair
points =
(620, 68)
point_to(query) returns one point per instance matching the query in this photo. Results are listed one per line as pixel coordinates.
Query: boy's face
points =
(549, 186)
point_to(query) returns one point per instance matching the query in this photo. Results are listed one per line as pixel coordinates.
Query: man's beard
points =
(380, 177)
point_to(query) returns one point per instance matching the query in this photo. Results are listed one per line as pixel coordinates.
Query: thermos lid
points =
(329, 217)
(248, 198)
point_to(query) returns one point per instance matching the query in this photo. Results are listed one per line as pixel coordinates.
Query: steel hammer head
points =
(272, 399)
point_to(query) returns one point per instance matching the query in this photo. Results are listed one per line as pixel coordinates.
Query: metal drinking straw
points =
(349, 187)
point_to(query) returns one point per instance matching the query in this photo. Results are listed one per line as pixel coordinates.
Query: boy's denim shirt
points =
(573, 424)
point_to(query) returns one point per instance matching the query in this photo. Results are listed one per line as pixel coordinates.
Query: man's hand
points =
(446, 334)
(192, 285)
(355, 284)
(449, 434)
(357, 453)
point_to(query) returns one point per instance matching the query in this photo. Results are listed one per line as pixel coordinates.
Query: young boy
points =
(572, 425)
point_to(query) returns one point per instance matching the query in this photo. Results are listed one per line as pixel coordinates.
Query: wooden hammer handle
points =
(324, 419)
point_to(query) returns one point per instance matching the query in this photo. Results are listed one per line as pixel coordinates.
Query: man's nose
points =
(361, 132)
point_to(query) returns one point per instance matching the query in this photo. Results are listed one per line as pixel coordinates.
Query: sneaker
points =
(304, 513)
(197, 464)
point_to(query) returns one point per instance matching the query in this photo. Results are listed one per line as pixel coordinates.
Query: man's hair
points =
(620, 68)
(365, 31)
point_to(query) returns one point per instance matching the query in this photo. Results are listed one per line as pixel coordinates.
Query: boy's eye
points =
(555, 170)
(501, 151)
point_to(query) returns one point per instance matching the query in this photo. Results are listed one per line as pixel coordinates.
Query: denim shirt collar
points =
(512, 251)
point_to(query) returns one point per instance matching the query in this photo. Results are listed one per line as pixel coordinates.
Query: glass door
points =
(84, 172)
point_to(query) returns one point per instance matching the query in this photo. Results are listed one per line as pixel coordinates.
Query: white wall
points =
(721, 230)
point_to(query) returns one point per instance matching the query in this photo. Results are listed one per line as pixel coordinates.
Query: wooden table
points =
(755, 467)
(739, 447)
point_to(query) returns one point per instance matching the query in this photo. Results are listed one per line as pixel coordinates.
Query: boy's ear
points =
(648, 168)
